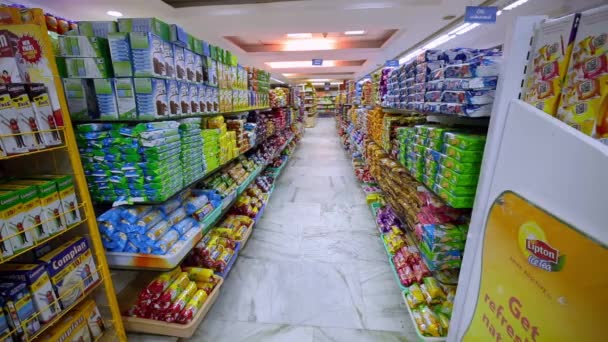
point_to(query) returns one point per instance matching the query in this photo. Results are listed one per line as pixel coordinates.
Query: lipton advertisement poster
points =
(541, 280)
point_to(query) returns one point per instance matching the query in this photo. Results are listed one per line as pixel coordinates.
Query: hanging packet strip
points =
(472, 97)
(476, 83)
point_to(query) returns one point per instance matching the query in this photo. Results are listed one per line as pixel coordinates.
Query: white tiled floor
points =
(315, 268)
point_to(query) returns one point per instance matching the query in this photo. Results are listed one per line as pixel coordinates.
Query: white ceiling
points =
(415, 20)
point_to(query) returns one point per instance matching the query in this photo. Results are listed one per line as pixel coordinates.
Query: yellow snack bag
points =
(199, 273)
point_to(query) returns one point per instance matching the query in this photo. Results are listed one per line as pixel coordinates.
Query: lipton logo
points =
(534, 245)
(542, 250)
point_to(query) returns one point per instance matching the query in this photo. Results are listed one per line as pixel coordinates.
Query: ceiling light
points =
(299, 35)
(498, 13)
(309, 45)
(515, 4)
(114, 13)
(318, 80)
(467, 29)
(354, 33)
(409, 56)
(274, 79)
(299, 64)
(463, 26)
(438, 41)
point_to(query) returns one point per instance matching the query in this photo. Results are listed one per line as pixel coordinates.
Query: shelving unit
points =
(309, 104)
(63, 160)
(132, 288)
(135, 261)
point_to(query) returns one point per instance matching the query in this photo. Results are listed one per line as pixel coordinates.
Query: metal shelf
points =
(171, 118)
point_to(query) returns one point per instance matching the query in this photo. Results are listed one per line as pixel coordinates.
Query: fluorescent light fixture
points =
(114, 13)
(274, 79)
(438, 41)
(322, 83)
(515, 4)
(299, 35)
(299, 64)
(410, 55)
(467, 29)
(289, 75)
(309, 45)
(370, 5)
(354, 33)
(498, 13)
(461, 27)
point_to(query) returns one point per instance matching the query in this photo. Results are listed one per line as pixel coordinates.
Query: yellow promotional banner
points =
(541, 279)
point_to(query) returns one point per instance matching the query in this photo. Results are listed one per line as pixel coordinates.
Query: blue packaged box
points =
(180, 62)
(175, 108)
(184, 97)
(106, 98)
(169, 60)
(151, 98)
(20, 309)
(120, 54)
(39, 285)
(72, 270)
(147, 55)
(4, 328)
(178, 36)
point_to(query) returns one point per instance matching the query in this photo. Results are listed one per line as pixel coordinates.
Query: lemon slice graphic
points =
(529, 230)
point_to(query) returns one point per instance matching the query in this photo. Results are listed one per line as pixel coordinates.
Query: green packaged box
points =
(67, 195)
(125, 98)
(13, 218)
(436, 132)
(458, 190)
(459, 202)
(84, 67)
(97, 28)
(49, 205)
(460, 167)
(434, 144)
(464, 141)
(419, 149)
(106, 98)
(423, 130)
(83, 46)
(80, 96)
(32, 224)
(463, 155)
(429, 181)
(152, 25)
(458, 178)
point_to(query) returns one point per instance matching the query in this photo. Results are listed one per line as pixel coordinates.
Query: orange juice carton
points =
(584, 102)
(553, 41)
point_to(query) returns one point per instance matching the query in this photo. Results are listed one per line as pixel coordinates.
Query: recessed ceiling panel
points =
(199, 3)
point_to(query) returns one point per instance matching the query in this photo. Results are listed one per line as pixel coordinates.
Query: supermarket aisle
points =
(315, 269)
